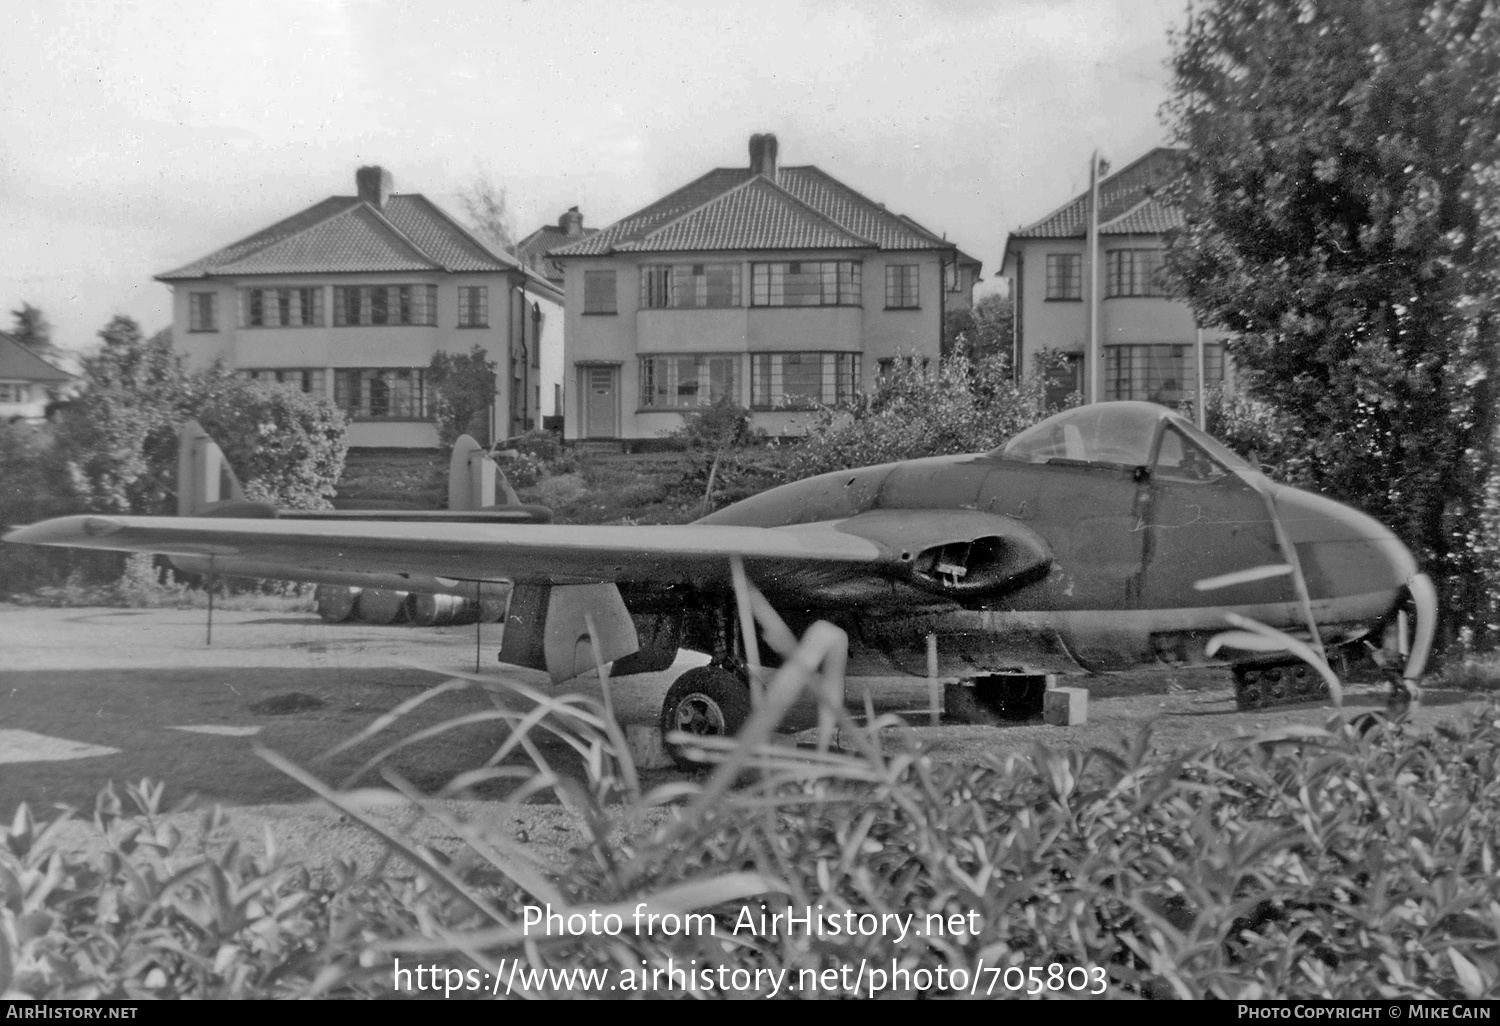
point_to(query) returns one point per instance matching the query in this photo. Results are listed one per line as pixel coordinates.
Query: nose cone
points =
(1343, 552)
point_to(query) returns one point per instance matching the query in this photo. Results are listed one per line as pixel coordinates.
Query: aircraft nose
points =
(1343, 552)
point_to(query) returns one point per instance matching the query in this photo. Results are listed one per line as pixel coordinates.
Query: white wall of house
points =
(26, 400)
(328, 348)
(552, 376)
(1063, 324)
(618, 340)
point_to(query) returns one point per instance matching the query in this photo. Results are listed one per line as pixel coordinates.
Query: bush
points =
(286, 447)
(463, 390)
(723, 424)
(150, 920)
(34, 486)
(538, 454)
(964, 406)
(113, 449)
(1259, 433)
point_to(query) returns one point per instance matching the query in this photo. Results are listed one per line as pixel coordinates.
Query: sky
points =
(137, 135)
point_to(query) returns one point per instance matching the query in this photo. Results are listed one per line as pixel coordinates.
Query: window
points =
(15, 392)
(805, 283)
(473, 306)
(384, 305)
(203, 311)
(802, 379)
(669, 382)
(304, 379)
(1166, 374)
(1133, 272)
(392, 393)
(1064, 275)
(689, 286)
(901, 287)
(281, 308)
(599, 292)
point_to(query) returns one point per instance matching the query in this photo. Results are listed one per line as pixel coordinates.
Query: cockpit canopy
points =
(1124, 434)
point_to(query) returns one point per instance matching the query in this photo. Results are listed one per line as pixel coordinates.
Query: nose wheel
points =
(709, 701)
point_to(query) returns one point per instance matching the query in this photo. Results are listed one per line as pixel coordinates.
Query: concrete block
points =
(1066, 707)
(961, 705)
(997, 698)
(646, 748)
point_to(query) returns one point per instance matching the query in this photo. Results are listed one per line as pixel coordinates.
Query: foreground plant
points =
(1306, 862)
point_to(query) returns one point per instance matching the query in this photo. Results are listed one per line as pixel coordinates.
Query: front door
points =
(599, 403)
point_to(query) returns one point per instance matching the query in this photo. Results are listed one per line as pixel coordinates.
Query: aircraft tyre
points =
(1262, 686)
(708, 701)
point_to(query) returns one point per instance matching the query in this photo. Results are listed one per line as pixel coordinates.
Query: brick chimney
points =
(375, 185)
(571, 223)
(763, 155)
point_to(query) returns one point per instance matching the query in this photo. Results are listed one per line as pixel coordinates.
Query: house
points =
(779, 288)
(533, 252)
(1146, 341)
(27, 382)
(351, 298)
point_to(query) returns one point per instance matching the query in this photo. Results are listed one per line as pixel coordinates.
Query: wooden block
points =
(646, 748)
(1066, 707)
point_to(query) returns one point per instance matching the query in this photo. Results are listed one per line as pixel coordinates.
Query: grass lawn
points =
(393, 479)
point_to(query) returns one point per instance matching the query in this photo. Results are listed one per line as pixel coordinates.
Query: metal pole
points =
(1201, 377)
(1096, 349)
(933, 691)
(210, 640)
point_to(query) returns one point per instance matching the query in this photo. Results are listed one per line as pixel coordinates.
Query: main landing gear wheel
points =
(1257, 687)
(707, 702)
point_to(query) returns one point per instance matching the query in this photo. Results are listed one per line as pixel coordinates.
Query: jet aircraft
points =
(1105, 537)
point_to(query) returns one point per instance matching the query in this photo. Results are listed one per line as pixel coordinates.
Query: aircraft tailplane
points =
(204, 476)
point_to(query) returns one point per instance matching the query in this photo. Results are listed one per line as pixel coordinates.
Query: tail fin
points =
(204, 476)
(474, 479)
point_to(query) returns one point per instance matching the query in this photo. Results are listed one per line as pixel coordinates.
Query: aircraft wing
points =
(928, 546)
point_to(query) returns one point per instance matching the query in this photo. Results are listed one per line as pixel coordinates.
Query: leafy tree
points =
(464, 391)
(987, 328)
(30, 327)
(287, 447)
(34, 486)
(1342, 207)
(487, 209)
(118, 438)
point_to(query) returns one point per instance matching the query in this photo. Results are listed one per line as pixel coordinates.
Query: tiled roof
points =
(532, 250)
(1151, 217)
(1121, 195)
(863, 217)
(344, 234)
(732, 208)
(440, 237)
(756, 214)
(17, 363)
(669, 207)
(356, 239)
